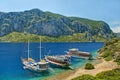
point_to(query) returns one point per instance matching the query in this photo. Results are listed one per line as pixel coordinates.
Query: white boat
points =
(35, 66)
(32, 65)
(74, 52)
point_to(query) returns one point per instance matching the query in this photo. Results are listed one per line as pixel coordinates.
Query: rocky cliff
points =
(38, 22)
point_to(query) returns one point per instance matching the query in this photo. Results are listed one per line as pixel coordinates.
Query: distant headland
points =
(53, 27)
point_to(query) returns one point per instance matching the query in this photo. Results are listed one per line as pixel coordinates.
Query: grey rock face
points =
(38, 22)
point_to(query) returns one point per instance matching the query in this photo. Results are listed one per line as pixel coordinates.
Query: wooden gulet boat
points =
(62, 60)
(74, 52)
(32, 65)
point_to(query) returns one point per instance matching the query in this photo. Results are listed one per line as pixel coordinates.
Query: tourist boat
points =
(35, 66)
(32, 65)
(61, 61)
(74, 52)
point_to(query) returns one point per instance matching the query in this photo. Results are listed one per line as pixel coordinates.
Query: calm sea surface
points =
(11, 67)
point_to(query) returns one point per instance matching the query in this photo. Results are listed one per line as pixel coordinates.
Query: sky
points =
(105, 10)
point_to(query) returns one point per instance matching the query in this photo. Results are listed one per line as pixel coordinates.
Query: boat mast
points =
(28, 50)
(40, 47)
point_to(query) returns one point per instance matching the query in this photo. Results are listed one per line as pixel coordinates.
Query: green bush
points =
(111, 47)
(106, 53)
(109, 75)
(106, 75)
(89, 66)
(85, 77)
(108, 58)
(118, 59)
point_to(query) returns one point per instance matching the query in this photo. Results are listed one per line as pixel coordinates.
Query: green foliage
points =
(108, 58)
(118, 59)
(109, 75)
(93, 23)
(53, 15)
(106, 53)
(89, 66)
(99, 38)
(105, 75)
(111, 42)
(54, 25)
(84, 77)
(111, 50)
(19, 37)
(22, 37)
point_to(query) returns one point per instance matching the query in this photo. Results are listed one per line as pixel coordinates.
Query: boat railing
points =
(57, 61)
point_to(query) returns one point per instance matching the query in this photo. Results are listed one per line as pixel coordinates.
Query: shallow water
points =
(11, 67)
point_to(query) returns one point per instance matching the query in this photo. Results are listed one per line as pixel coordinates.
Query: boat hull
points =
(58, 65)
(79, 57)
(32, 67)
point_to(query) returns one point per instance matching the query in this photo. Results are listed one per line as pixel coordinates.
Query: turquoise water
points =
(11, 67)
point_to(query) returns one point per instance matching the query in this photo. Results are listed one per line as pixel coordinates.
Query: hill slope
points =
(111, 50)
(38, 22)
(23, 37)
(117, 35)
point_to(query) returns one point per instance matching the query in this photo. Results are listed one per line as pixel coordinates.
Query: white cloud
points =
(114, 23)
(115, 26)
(116, 29)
